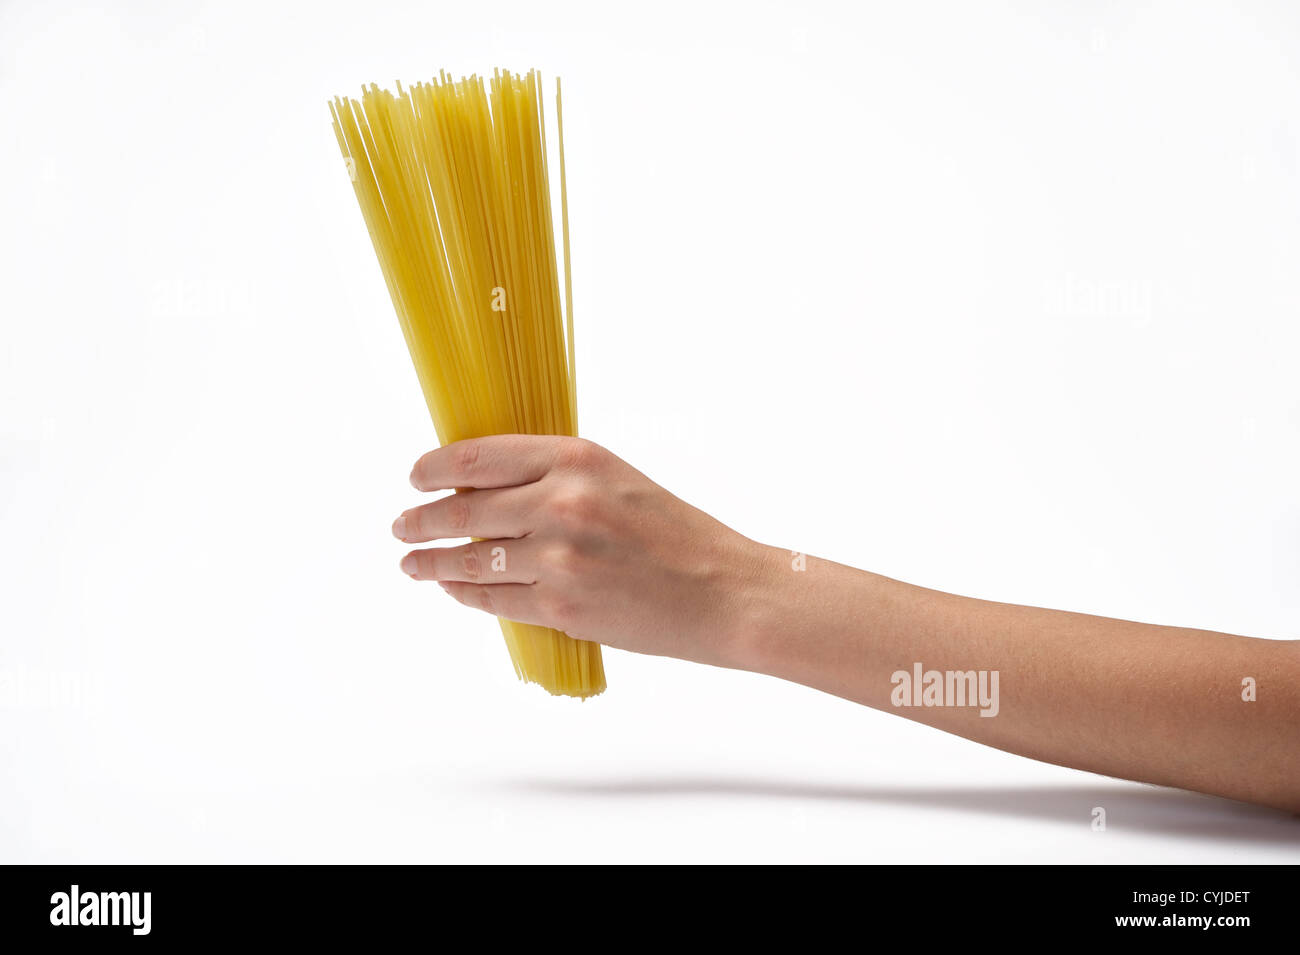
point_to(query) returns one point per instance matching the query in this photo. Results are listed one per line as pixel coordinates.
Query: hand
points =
(574, 538)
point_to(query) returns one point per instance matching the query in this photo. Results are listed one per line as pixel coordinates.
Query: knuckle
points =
(578, 454)
(560, 610)
(466, 457)
(484, 597)
(559, 556)
(471, 564)
(457, 512)
(575, 504)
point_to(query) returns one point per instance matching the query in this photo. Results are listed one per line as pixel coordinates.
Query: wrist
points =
(763, 605)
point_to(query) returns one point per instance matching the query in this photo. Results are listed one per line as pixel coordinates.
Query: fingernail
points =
(409, 565)
(399, 528)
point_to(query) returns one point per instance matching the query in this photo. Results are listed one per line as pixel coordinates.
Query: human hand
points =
(572, 537)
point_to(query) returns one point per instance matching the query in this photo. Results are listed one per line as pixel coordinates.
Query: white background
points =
(995, 298)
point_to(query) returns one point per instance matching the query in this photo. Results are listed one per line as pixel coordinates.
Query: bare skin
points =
(598, 550)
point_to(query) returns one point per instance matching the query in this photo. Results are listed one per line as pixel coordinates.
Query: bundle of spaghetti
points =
(453, 183)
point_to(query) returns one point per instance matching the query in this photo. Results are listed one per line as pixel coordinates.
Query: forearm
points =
(1157, 704)
(599, 551)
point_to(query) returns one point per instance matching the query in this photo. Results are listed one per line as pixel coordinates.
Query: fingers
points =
(497, 512)
(488, 562)
(500, 460)
(499, 502)
(518, 602)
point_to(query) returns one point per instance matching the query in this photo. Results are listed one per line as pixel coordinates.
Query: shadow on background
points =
(1131, 806)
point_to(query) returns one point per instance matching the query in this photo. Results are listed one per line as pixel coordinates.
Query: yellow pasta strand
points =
(453, 184)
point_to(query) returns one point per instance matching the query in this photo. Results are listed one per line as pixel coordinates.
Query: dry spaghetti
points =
(453, 183)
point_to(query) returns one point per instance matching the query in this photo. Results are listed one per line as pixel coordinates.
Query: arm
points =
(599, 551)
